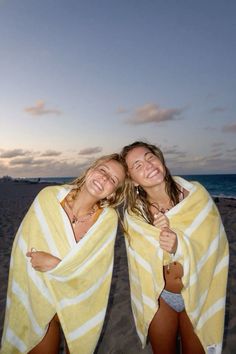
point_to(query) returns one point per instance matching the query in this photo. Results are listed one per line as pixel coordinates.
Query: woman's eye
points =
(137, 167)
(113, 180)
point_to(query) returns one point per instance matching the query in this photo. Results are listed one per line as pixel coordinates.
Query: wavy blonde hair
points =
(136, 200)
(118, 195)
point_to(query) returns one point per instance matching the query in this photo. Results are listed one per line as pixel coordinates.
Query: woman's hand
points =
(168, 240)
(160, 220)
(42, 261)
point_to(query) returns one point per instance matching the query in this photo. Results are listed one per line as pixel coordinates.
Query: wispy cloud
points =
(218, 109)
(229, 128)
(121, 110)
(39, 109)
(8, 154)
(22, 161)
(173, 152)
(36, 167)
(153, 113)
(218, 144)
(90, 150)
(231, 150)
(213, 163)
(51, 153)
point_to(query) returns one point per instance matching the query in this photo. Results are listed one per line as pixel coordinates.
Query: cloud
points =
(153, 113)
(218, 144)
(12, 153)
(218, 109)
(173, 152)
(230, 128)
(210, 164)
(51, 153)
(30, 167)
(39, 109)
(90, 151)
(121, 110)
(22, 161)
(231, 150)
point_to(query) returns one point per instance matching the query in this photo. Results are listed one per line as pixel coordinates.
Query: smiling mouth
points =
(153, 173)
(98, 185)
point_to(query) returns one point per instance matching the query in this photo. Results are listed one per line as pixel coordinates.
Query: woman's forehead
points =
(114, 167)
(137, 153)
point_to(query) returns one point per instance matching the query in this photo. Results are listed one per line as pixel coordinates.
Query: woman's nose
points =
(104, 176)
(148, 164)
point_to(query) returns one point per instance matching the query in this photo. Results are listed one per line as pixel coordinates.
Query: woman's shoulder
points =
(54, 190)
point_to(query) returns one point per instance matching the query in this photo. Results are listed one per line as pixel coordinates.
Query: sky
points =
(81, 79)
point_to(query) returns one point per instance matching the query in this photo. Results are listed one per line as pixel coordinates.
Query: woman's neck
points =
(158, 194)
(83, 203)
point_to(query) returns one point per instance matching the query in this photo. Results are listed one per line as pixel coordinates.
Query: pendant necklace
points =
(83, 218)
(161, 209)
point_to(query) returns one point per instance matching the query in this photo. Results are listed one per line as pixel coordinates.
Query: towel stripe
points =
(86, 294)
(15, 341)
(86, 327)
(24, 299)
(45, 229)
(217, 306)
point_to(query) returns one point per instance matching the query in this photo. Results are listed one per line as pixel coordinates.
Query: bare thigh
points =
(50, 344)
(163, 330)
(190, 342)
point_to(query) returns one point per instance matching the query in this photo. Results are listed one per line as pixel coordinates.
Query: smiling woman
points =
(177, 255)
(68, 231)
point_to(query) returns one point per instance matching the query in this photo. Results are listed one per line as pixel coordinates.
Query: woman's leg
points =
(190, 342)
(50, 344)
(163, 330)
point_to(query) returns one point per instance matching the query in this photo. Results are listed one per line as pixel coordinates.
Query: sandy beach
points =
(118, 336)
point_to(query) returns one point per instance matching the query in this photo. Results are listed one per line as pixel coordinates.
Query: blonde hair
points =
(117, 196)
(136, 198)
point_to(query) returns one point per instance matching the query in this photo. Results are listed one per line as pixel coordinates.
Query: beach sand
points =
(118, 335)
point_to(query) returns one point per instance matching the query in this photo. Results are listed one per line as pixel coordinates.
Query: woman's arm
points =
(42, 261)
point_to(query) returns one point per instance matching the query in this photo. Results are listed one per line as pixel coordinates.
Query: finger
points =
(29, 254)
(164, 234)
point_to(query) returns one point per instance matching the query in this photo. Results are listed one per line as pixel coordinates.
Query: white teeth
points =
(98, 185)
(153, 173)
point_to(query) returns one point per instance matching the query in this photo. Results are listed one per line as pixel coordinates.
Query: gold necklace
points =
(83, 218)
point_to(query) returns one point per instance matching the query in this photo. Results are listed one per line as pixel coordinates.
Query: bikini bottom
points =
(174, 300)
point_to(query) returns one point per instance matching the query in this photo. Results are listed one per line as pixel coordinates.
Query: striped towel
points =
(77, 289)
(203, 253)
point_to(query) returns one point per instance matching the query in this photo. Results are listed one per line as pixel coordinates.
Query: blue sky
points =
(80, 79)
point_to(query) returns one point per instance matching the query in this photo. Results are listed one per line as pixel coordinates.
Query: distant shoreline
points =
(67, 180)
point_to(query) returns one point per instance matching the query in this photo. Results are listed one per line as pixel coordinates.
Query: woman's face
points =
(145, 168)
(104, 179)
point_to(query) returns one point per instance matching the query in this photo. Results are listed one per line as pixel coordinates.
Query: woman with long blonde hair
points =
(61, 264)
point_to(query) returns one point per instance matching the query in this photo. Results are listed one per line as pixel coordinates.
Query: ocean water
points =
(217, 185)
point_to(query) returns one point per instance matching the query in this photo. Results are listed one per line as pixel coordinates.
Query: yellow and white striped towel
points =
(203, 253)
(77, 289)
